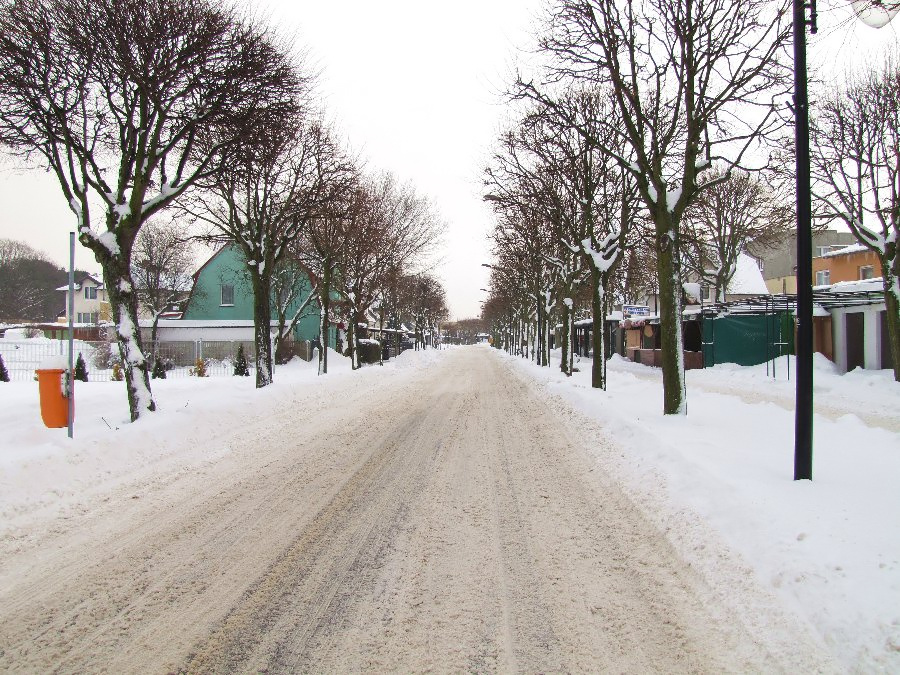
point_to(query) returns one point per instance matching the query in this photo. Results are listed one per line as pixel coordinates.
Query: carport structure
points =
(847, 328)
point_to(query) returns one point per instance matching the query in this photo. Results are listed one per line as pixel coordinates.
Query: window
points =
(90, 292)
(95, 317)
(227, 295)
(822, 250)
(823, 278)
(867, 272)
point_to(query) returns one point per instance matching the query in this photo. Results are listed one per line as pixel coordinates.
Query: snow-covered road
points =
(448, 520)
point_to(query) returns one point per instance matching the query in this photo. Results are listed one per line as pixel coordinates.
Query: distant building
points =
(849, 263)
(778, 262)
(91, 305)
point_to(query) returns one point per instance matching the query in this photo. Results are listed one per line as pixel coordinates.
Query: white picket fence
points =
(22, 358)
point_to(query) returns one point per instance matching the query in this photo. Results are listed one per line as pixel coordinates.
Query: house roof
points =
(847, 250)
(747, 279)
(826, 298)
(83, 279)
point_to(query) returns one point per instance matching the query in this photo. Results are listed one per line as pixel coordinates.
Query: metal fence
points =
(180, 359)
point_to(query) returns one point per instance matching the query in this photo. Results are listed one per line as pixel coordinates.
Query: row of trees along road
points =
(139, 106)
(636, 113)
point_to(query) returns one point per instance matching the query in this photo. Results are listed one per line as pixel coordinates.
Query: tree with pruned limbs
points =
(716, 228)
(320, 247)
(855, 150)
(129, 103)
(528, 175)
(690, 82)
(161, 267)
(390, 230)
(274, 184)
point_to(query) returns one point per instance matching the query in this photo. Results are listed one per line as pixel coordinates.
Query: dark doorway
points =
(693, 340)
(886, 360)
(855, 340)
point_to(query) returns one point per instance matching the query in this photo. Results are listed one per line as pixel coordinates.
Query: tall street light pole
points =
(803, 421)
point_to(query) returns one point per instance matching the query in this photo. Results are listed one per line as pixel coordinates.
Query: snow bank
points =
(829, 548)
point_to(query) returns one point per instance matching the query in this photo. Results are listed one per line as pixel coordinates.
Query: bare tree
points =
(691, 82)
(276, 183)
(521, 242)
(320, 248)
(424, 299)
(115, 97)
(161, 267)
(856, 134)
(533, 184)
(293, 299)
(390, 231)
(720, 223)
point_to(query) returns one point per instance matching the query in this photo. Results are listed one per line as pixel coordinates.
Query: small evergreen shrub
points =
(159, 370)
(4, 375)
(240, 363)
(80, 369)
(199, 369)
(117, 374)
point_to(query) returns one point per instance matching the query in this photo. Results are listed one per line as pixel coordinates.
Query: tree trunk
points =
(566, 338)
(323, 321)
(598, 379)
(674, 397)
(154, 343)
(352, 343)
(123, 303)
(571, 368)
(890, 273)
(262, 326)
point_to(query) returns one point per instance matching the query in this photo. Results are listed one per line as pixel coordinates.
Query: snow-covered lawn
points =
(830, 548)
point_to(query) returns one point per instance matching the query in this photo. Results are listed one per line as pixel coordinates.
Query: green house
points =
(222, 292)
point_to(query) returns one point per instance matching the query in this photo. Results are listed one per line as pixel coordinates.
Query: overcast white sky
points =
(415, 88)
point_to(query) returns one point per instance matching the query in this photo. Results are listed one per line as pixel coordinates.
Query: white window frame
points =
(90, 292)
(823, 278)
(222, 288)
(871, 270)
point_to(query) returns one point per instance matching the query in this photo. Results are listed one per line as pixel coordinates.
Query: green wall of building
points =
(229, 267)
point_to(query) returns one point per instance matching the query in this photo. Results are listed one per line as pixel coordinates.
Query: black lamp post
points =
(803, 420)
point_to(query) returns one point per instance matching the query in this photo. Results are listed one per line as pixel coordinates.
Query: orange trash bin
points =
(54, 404)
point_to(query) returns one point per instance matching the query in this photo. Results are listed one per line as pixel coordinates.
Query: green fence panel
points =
(747, 340)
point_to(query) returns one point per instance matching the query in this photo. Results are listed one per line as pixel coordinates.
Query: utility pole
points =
(803, 421)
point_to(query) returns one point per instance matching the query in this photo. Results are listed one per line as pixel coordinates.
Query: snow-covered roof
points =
(747, 279)
(876, 284)
(852, 248)
(96, 281)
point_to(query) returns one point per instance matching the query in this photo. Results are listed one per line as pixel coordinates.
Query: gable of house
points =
(747, 279)
(223, 292)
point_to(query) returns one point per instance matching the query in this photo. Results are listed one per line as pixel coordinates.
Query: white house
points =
(91, 303)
